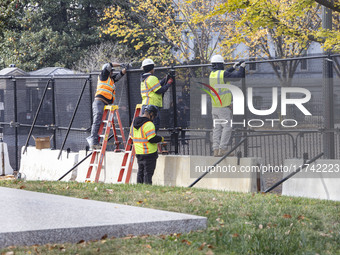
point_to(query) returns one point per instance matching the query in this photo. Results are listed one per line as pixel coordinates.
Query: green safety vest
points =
(217, 77)
(141, 138)
(148, 87)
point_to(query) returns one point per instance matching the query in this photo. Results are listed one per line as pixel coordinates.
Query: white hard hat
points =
(147, 62)
(217, 59)
(107, 66)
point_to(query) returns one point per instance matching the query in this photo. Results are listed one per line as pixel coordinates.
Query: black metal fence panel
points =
(186, 129)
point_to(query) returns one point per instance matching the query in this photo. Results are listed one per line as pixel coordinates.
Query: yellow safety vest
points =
(148, 88)
(106, 89)
(141, 138)
(217, 77)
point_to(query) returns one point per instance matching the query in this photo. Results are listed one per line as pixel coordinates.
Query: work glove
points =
(170, 81)
(240, 63)
(126, 66)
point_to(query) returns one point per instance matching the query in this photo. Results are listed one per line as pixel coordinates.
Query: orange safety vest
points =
(106, 89)
(141, 138)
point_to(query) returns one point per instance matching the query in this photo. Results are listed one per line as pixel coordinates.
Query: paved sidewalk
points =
(28, 218)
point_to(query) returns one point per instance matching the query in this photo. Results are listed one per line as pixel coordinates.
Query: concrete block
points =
(5, 167)
(110, 170)
(38, 218)
(44, 164)
(320, 180)
(171, 170)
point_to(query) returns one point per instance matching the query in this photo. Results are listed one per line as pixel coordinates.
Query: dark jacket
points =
(139, 121)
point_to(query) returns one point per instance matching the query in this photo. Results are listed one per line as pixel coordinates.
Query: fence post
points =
(16, 121)
(244, 90)
(54, 116)
(328, 145)
(174, 100)
(91, 98)
(129, 96)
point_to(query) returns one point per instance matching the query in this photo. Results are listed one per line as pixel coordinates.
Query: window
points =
(303, 64)
(252, 66)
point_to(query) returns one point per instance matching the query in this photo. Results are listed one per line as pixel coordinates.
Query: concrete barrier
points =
(5, 167)
(171, 170)
(44, 164)
(319, 180)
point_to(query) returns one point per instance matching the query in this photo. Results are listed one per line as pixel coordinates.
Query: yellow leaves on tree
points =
(169, 30)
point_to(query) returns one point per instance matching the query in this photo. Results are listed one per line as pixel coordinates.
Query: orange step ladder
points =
(130, 153)
(97, 158)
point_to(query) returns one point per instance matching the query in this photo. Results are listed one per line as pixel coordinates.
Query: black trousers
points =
(146, 167)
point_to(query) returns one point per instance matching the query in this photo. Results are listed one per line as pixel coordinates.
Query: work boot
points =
(216, 153)
(223, 152)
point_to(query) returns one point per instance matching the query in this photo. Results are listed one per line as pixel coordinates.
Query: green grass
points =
(237, 223)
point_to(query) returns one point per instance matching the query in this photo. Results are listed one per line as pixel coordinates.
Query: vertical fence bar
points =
(129, 97)
(174, 100)
(91, 98)
(54, 116)
(328, 145)
(244, 90)
(16, 126)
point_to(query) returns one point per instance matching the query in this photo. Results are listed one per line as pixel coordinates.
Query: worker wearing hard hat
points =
(105, 95)
(145, 142)
(152, 89)
(222, 132)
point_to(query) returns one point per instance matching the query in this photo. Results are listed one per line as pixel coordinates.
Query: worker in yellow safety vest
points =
(105, 95)
(223, 109)
(145, 142)
(152, 89)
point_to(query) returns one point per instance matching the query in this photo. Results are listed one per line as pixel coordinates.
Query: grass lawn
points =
(237, 223)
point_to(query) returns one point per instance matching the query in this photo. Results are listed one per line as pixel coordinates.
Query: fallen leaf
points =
(186, 241)
(235, 235)
(148, 246)
(287, 233)
(109, 191)
(104, 237)
(192, 200)
(287, 216)
(22, 187)
(81, 241)
(202, 246)
(139, 202)
(86, 198)
(300, 217)
(260, 226)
